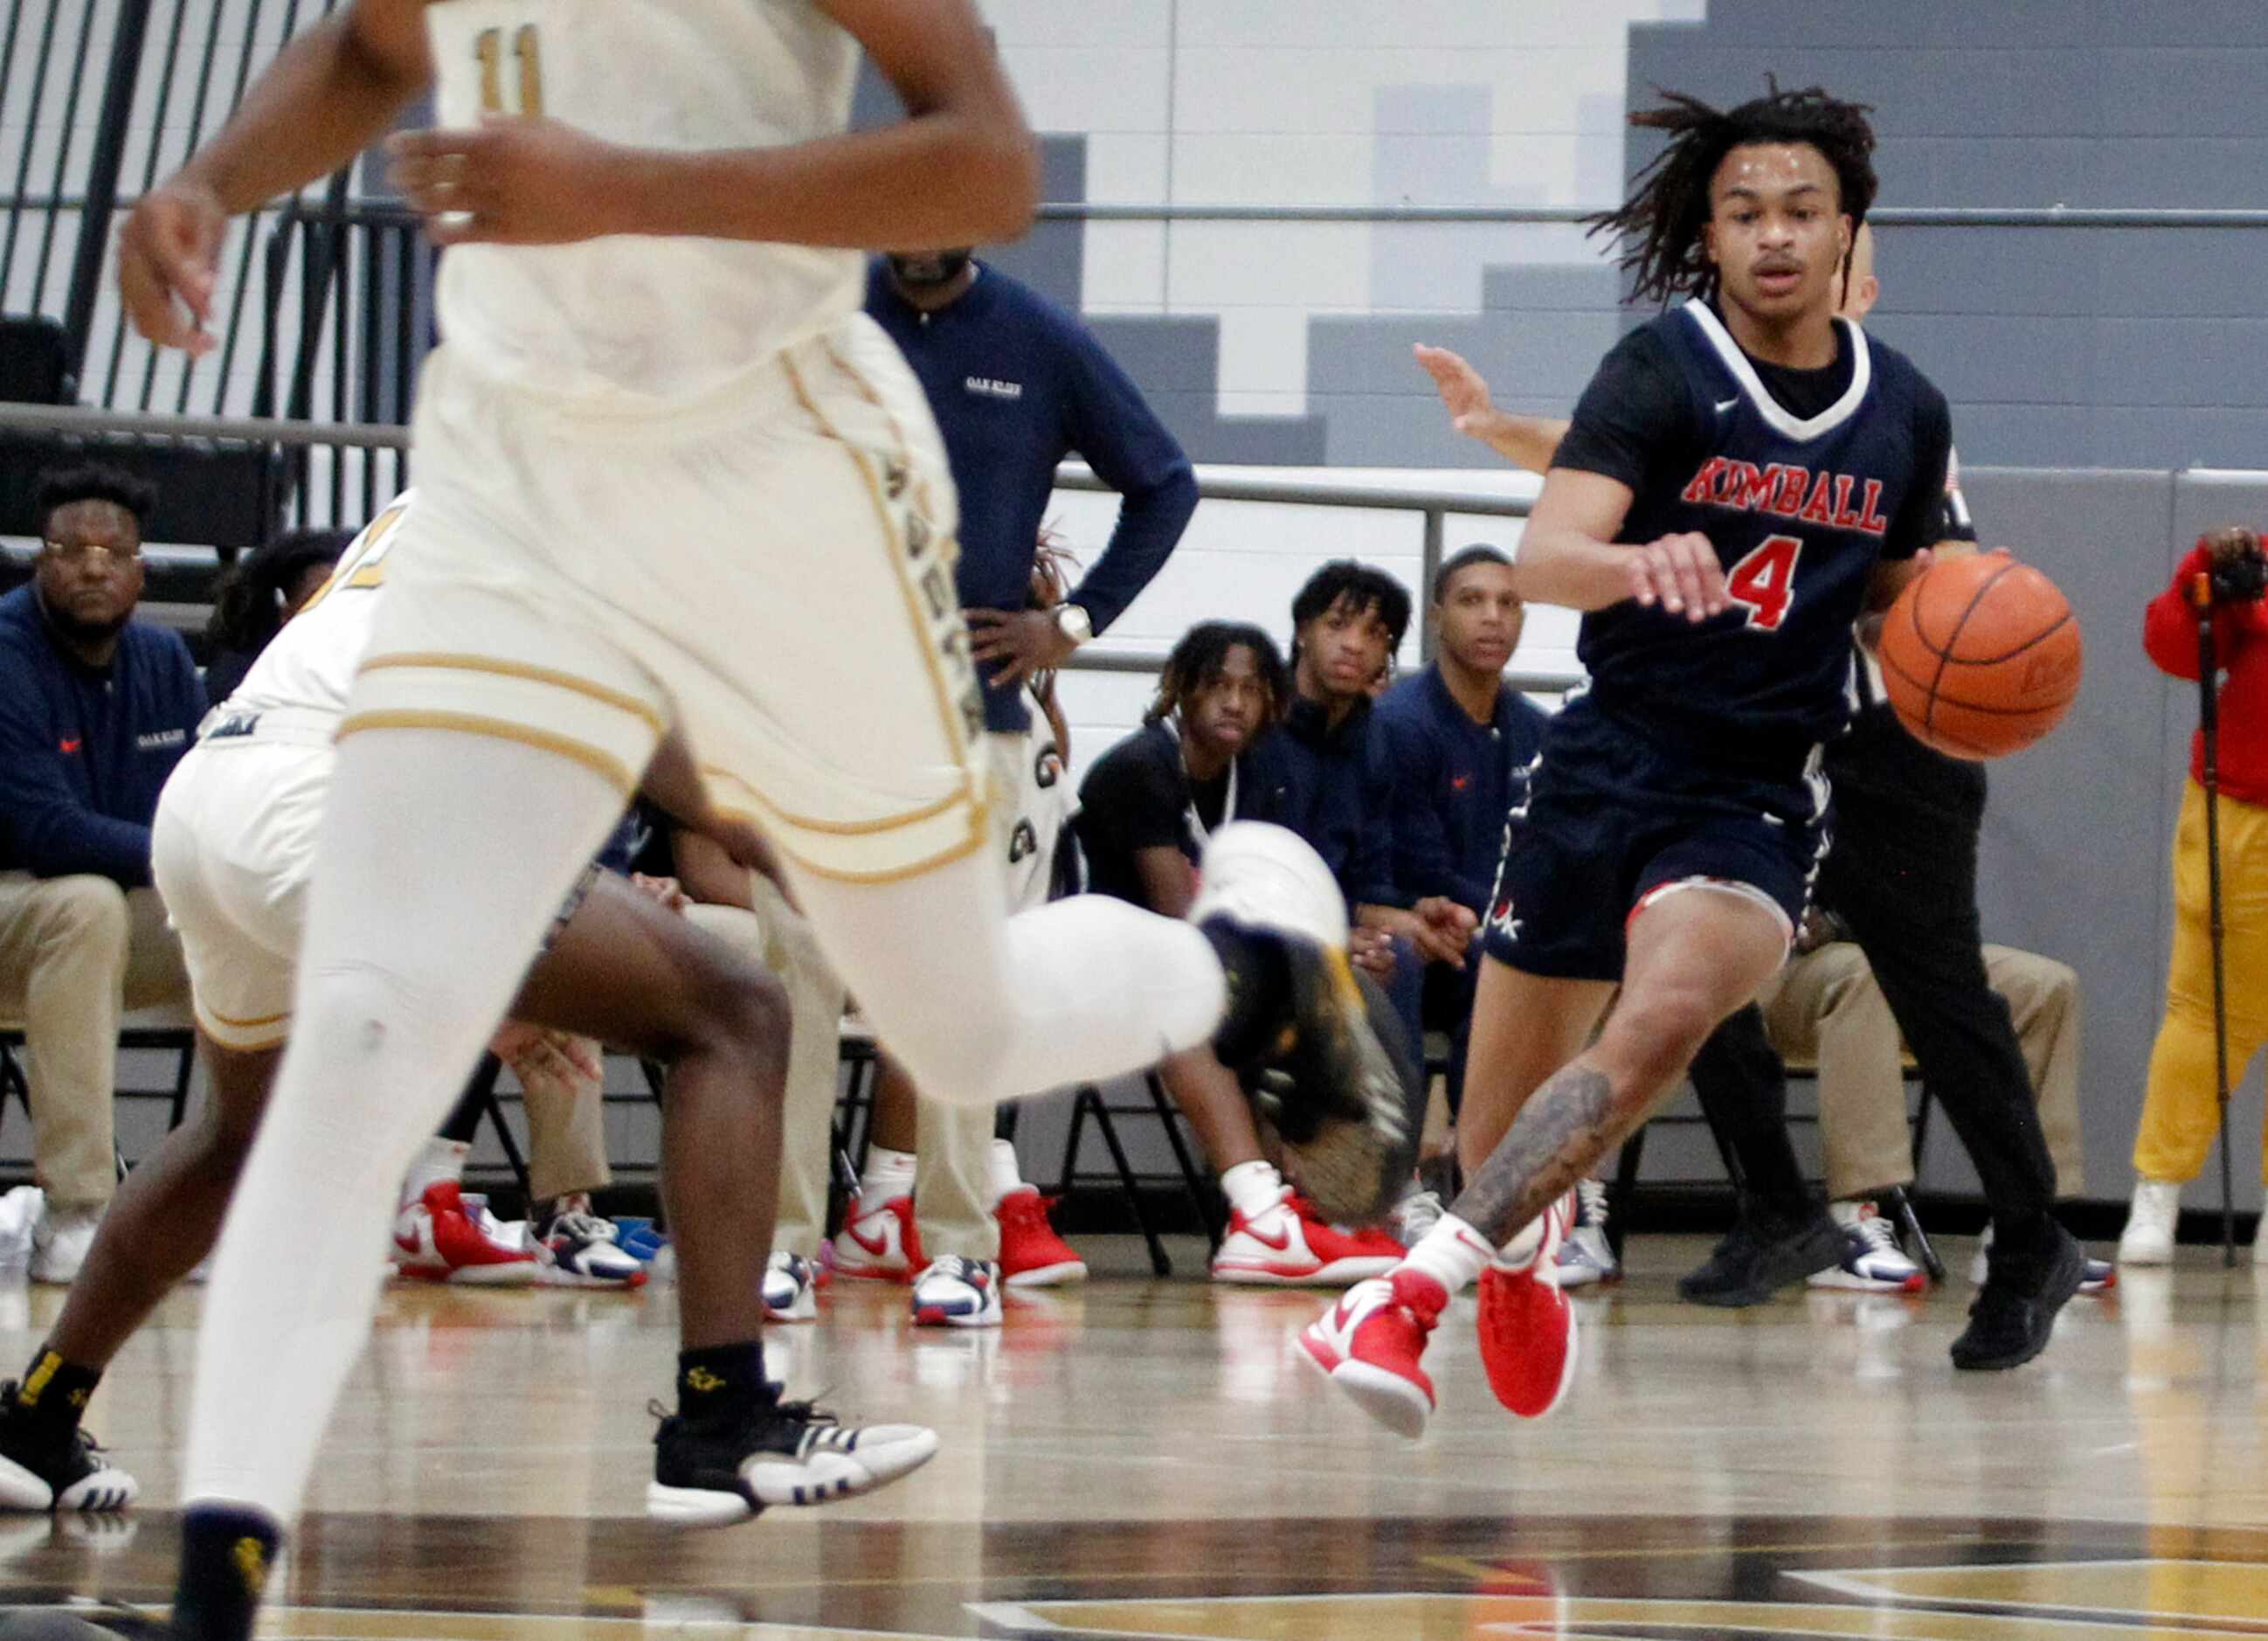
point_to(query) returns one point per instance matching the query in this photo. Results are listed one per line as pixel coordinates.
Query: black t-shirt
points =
(1804, 480)
(1138, 796)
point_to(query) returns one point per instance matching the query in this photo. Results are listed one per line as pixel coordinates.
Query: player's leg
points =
(426, 906)
(629, 973)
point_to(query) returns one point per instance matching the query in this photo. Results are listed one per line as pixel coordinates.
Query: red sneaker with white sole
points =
(1526, 1326)
(1371, 1343)
(438, 1239)
(1290, 1245)
(1031, 1255)
(881, 1245)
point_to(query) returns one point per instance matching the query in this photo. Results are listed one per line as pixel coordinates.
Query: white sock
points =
(889, 1175)
(1452, 1254)
(1253, 1188)
(442, 1162)
(1007, 1175)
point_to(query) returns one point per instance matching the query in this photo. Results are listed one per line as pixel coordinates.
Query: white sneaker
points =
(1270, 878)
(60, 1242)
(582, 1250)
(1872, 1262)
(878, 1240)
(956, 1293)
(791, 1289)
(1289, 1244)
(1587, 1256)
(2148, 1239)
(1415, 1215)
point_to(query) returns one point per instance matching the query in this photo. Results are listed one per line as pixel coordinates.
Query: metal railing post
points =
(1429, 566)
(102, 177)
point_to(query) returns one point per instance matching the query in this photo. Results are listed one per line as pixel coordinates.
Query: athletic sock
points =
(226, 1552)
(1004, 1173)
(442, 1162)
(889, 1175)
(718, 1378)
(54, 1393)
(1452, 1254)
(1252, 1188)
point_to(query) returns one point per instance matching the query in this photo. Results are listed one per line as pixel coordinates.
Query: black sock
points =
(54, 1394)
(720, 1377)
(1254, 968)
(226, 1550)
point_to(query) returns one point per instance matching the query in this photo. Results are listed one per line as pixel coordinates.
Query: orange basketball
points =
(1981, 656)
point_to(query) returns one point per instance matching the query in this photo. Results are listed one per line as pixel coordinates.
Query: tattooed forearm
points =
(1565, 1127)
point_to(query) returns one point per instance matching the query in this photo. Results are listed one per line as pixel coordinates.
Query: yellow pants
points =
(2179, 1116)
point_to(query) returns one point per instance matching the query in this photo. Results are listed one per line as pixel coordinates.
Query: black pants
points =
(1902, 872)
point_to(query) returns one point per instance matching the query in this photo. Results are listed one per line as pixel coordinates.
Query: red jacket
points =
(2170, 633)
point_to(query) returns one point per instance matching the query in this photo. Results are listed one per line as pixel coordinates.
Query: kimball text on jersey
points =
(1790, 491)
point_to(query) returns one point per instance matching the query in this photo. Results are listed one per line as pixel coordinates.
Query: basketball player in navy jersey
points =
(1745, 477)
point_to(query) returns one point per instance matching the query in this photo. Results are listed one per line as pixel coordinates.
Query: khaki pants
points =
(1825, 1007)
(75, 954)
(566, 1136)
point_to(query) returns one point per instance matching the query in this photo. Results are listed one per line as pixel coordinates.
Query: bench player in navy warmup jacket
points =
(1745, 477)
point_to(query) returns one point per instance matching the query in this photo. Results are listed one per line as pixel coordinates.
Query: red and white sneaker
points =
(1371, 1343)
(1290, 1245)
(439, 1238)
(1031, 1255)
(1526, 1326)
(883, 1246)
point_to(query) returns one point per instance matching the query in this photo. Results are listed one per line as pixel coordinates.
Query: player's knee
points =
(1656, 1035)
(741, 1009)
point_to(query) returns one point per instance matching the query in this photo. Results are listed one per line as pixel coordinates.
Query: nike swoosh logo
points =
(1339, 1315)
(1475, 1243)
(1281, 1241)
(407, 1244)
(70, 745)
(878, 1245)
(1724, 405)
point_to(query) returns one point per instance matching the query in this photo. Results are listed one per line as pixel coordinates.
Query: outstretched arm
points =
(1524, 441)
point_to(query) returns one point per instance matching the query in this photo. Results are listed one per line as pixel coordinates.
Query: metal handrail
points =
(1433, 507)
(1134, 211)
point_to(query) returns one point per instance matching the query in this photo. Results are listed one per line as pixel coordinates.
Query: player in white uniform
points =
(233, 846)
(668, 478)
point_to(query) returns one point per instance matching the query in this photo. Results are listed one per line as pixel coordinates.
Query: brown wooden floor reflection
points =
(1141, 1459)
(530, 1580)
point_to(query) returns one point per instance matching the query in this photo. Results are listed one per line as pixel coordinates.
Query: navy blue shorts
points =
(1610, 823)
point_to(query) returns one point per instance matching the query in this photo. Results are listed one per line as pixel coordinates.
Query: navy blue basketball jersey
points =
(1802, 501)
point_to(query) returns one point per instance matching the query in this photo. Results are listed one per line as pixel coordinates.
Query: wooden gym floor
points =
(1152, 1459)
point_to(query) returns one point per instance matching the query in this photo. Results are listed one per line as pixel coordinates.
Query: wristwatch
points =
(1073, 621)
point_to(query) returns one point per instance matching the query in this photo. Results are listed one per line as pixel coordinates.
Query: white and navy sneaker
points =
(1872, 1261)
(956, 1293)
(2098, 1276)
(580, 1249)
(791, 1289)
(715, 1472)
(1587, 1256)
(55, 1469)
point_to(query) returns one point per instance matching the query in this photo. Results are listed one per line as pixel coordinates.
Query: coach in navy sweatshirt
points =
(1462, 741)
(1016, 384)
(95, 709)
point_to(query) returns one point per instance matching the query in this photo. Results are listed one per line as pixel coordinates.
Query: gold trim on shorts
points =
(980, 835)
(840, 828)
(568, 682)
(220, 1029)
(604, 764)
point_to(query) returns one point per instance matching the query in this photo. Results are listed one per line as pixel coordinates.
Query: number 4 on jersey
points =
(1765, 581)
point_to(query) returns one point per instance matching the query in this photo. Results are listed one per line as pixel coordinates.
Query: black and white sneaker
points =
(42, 1470)
(714, 1472)
(1334, 1074)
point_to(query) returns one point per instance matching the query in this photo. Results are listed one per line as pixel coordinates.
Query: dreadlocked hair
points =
(1202, 656)
(1666, 211)
(248, 600)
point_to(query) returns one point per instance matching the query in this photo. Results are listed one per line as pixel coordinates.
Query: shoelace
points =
(1878, 1233)
(587, 1226)
(1591, 1203)
(1419, 1212)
